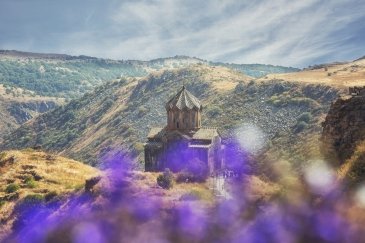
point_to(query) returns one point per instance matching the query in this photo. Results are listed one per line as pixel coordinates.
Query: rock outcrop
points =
(344, 128)
(24, 111)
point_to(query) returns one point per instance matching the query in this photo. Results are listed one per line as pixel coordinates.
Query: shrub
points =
(2, 159)
(50, 157)
(33, 199)
(195, 171)
(142, 111)
(30, 202)
(240, 87)
(2, 203)
(13, 187)
(305, 117)
(300, 126)
(30, 182)
(165, 180)
(215, 111)
(2, 155)
(50, 195)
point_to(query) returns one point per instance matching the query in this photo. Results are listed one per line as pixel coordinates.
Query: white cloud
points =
(279, 32)
(284, 32)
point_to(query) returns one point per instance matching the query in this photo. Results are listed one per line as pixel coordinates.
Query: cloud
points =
(283, 32)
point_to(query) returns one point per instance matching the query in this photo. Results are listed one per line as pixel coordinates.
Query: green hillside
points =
(117, 116)
(70, 76)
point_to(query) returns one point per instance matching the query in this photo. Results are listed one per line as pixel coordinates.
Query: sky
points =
(280, 32)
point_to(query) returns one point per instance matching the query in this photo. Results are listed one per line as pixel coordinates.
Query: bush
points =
(30, 182)
(305, 117)
(2, 155)
(2, 159)
(195, 171)
(13, 187)
(50, 195)
(240, 87)
(214, 111)
(142, 111)
(165, 180)
(300, 126)
(29, 203)
(33, 200)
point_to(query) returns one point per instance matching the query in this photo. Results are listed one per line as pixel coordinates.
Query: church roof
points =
(184, 99)
(205, 133)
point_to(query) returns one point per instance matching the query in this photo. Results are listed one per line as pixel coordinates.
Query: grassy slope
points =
(58, 182)
(337, 75)
(120, 196)
(63, 78)
(37, 173)
(70, 76)
(352, 171)
(117, 116)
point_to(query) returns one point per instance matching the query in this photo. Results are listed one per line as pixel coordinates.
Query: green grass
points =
(13, 187)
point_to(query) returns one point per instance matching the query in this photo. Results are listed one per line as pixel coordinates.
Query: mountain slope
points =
(17, 106)
(118, 114)
(70, 76)
(116, 117)
(31, 175)
(337, 74)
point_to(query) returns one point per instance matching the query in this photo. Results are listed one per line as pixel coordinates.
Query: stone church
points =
(183, 139)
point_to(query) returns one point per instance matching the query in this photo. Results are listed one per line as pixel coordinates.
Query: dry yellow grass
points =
(257, 189)
(58, 174)
(349, 170)
(36, 172)
(145, 184)
(46, 173)
(94, 130)
(22, 95)
(222, 78)
(337, 75)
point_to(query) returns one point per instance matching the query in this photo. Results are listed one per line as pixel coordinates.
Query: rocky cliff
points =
(344, 128)
(24, 111)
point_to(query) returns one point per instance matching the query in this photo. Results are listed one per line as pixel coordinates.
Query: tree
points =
(165, 180)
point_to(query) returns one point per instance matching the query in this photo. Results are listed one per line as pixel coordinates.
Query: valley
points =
(80, 150)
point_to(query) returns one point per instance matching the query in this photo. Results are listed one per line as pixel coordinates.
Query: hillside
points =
(116, 117)
(37, 188)
(340, 75)
(17, 106)
(71, 76)
(128, 205)
(35, 175)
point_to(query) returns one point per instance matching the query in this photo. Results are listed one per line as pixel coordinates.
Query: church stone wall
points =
(185, 119)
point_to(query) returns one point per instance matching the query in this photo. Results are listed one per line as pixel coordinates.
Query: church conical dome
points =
(184, 111)
(184, 100)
